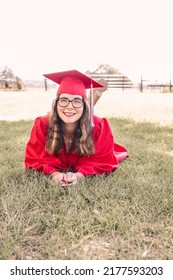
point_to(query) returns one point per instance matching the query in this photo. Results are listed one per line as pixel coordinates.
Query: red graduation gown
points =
(105, 160)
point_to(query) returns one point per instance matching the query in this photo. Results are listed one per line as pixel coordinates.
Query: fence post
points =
(45, 84)
(141, 84)
(123, 83)
(170, 86)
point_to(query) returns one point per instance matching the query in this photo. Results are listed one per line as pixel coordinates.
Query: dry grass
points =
(144, 107)
(127, 215)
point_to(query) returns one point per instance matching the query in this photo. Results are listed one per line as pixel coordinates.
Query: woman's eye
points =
(77, 101)
(64, 100)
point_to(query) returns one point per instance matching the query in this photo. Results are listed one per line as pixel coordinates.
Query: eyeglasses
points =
(76, 102)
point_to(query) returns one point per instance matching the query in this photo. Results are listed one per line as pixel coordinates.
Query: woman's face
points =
(70, 112)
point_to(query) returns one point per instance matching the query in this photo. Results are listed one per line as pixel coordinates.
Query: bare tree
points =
(9, 80)
(6, 73)
(104, 69)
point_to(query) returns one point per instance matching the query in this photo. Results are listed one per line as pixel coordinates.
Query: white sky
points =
(42, 36)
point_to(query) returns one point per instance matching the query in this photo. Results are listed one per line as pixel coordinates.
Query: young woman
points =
(64, 143)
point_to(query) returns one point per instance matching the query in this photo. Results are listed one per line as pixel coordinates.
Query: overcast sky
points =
(42, 36)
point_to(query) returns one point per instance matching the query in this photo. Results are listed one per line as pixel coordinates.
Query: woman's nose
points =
(70, 105)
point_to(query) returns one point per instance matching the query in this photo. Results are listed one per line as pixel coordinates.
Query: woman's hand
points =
(97, 92)
(102, 89)
(71, 178)
(58, 177)
(65, 179)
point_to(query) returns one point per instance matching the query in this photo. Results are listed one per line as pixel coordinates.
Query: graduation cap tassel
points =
(91, 105)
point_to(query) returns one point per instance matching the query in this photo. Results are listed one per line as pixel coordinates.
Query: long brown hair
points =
(82, 141)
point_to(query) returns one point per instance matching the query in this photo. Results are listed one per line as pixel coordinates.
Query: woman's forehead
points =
(70, 96)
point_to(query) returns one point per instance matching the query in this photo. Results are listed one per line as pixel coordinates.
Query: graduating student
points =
(70, 143)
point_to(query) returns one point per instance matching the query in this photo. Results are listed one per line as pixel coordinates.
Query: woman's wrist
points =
(54, 174)
(79, 175)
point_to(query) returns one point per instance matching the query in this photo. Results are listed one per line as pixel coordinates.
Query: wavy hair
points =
(82, 141)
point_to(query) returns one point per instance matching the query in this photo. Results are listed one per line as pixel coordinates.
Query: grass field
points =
(142, 107)
(127, 215)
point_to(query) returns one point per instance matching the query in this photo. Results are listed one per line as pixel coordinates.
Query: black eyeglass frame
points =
(82, 103)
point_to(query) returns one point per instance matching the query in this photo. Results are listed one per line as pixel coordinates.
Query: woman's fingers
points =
(67, 179)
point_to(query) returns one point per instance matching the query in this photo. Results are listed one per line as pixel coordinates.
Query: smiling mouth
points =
(69, 114)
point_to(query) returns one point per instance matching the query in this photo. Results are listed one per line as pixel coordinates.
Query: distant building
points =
(11, 84)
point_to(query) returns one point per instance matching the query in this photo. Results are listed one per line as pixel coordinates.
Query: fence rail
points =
(123, 82)
(166, 86)
(114, 81)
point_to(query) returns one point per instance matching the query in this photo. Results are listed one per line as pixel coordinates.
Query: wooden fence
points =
(114, 81)
(123, 82)
(155, 85)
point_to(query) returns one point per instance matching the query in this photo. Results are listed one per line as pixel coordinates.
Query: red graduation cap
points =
(75, 82)
(72, 82)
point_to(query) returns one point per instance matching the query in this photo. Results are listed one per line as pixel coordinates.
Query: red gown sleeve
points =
(107, 153)
(35, 155)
